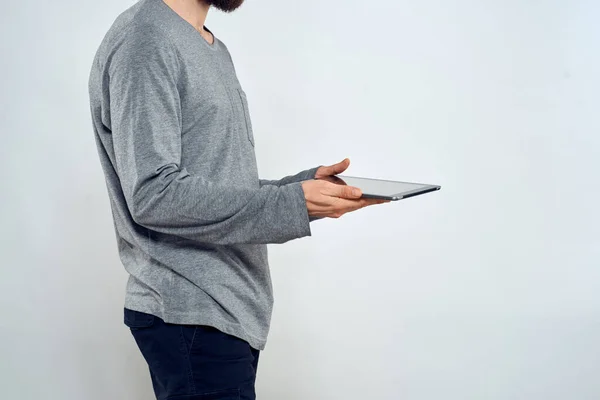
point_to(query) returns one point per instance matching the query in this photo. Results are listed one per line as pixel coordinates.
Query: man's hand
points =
(334, 169)
(327, 199)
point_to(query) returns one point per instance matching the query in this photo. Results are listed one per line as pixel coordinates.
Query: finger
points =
(378, 201)
(336, 190)
(361, 203)
(349, 205)
(335, 168)
(347, 192)
(340, 167)
(372, 202)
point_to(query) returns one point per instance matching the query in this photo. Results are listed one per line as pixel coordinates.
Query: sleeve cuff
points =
(298, 217)
(310, 173)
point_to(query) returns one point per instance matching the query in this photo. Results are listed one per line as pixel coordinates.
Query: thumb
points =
(341, 166)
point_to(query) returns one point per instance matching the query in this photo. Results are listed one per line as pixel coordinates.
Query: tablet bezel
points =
(427, 188)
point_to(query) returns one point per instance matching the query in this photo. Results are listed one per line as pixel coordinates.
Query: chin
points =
(225, 5)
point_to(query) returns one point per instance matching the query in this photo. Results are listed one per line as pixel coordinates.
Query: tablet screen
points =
(379, 187)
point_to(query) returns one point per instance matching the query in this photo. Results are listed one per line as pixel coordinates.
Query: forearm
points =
(194, 208)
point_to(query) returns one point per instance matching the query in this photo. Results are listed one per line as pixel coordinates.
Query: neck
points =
(193, 11)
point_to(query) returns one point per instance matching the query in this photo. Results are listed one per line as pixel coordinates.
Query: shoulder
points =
(131, 26)
(140, 24)
(137, 30)
(142, 36)
(142, 44)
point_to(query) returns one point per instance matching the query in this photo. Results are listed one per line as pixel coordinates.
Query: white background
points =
(488, 289)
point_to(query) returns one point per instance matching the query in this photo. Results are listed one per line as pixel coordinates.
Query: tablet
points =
(383, 189)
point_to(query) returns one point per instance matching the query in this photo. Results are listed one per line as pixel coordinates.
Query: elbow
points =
(151, 203)
(143, 212)
(138, 218)
(141, 217)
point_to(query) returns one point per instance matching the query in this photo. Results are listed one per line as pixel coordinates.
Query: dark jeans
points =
(194, 362)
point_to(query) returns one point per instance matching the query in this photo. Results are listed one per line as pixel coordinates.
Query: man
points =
(192, 219)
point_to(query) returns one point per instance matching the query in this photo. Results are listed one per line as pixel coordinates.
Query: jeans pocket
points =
(137, 320)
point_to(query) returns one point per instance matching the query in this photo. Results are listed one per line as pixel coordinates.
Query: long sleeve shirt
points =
(175, 140)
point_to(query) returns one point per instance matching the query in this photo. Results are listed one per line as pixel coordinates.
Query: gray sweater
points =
(191, 216)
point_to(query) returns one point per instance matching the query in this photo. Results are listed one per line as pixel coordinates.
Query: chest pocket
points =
(246, 112)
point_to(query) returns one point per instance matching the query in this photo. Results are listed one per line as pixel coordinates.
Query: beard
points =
(225, 5)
